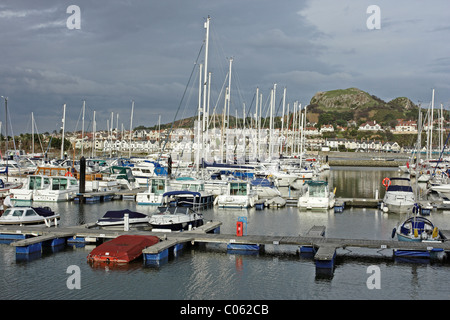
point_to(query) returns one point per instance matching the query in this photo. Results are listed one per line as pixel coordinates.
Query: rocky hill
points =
(355, 104)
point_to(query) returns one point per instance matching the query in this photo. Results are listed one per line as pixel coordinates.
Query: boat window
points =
(157, 186)
(7, 212)
(55, 184)
(30, 213)
(73, 182)
(63, 184)
(317, 191)
(35, 182)
(239, 189)
(17, 213)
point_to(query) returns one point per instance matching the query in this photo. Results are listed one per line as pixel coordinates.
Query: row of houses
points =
(403, 126)
(185, 138)
(353, 145)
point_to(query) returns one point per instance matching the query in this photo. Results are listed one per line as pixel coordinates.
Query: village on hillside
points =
(182, 142)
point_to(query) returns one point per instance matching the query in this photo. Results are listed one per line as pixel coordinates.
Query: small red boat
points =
(122, 249)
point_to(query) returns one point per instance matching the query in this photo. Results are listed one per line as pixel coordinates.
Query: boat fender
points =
(385, 209)
(393, 233)
(435, 232)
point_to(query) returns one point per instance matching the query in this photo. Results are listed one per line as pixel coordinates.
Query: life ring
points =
(386, 182)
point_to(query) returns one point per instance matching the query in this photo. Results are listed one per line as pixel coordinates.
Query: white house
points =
(311, 131)
(370, 126)
(406, 126)
(327, 128)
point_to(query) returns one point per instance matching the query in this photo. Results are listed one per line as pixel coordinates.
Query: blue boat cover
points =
(120, 214)
(181, 192)
(261, 182)
(43, 212)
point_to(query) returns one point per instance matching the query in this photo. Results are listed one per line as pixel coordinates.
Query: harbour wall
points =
(365, 163)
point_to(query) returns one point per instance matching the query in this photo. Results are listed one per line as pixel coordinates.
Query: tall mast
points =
(256, 124)
(271, 123)
(431, 125)
(282, 121)
(32, 133)
(82, 129)
(131, 126)
(205, 84)
(63, 127)
(199, 112)
(94, 128)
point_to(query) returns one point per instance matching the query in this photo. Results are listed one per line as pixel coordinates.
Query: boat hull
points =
(165, 224)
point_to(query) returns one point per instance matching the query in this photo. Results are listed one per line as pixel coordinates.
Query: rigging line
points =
(219, 97)
(179, 106)
(250, 108)
(39, 137)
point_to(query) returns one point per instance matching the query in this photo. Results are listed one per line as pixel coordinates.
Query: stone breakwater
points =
(365, 163)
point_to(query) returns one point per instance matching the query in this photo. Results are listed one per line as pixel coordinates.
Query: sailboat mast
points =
(82, 129)
(282, 121)
(131, 127)
(32, 133)
(256, 124)
(94, 128)
(205, 85)
(199, 112)
(63, 127)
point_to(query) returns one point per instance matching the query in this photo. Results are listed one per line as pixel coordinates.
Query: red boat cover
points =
(122, 249)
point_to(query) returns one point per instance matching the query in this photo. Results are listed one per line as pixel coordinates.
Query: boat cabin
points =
(317, 189)
(238, 188)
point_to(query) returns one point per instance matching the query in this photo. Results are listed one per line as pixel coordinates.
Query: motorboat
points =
(175, 218)
(29, 216)
(316, 195)
(123, 175)
(46, 188)
(417, 229)
(123, 249)
(6, 186)
(157, 186)
(143, 171)
(186, 198)
(265, 188)
(117, 218)
(240, 194)
(399, 196)
(189, 192)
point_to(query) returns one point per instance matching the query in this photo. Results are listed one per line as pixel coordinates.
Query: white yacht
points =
(46, 188)
(240, 194)
(399, 196)
(316, 195)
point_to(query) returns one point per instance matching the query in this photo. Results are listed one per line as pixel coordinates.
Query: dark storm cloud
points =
(146, 50)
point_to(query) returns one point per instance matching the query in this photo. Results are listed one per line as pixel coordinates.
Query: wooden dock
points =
(323, 248)
(101, 196)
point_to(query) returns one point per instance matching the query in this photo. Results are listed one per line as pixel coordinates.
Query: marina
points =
(323, 240)
(324, 248)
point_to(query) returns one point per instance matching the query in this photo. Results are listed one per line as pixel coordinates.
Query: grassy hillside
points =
(354, 104)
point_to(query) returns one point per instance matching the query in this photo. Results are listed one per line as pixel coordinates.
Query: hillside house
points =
(327, 128)
(408, 126)
(370, 126)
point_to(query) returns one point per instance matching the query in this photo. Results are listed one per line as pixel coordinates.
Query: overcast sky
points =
(145, 50)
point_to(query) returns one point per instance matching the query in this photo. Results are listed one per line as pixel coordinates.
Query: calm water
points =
(210, 273)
